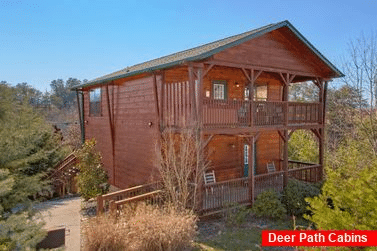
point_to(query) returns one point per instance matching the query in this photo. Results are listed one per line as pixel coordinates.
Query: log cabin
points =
(235, 89)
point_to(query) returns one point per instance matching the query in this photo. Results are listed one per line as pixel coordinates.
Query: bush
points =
(268, 204)
(294, 195)
(92, 179)
(144, 228)
(235, 214)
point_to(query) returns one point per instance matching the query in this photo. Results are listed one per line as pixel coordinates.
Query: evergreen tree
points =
(28, 149)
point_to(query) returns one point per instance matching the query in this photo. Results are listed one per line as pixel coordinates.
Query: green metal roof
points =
(202, 52)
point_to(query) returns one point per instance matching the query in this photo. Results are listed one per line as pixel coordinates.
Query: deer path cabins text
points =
(235, 89)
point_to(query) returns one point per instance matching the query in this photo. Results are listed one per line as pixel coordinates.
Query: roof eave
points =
(207, 54)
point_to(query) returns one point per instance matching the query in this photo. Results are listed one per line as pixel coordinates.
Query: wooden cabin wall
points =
(225, 154)
(276, 49)
(97, 127)
(235, 79)
(268, 149)
(135, 137)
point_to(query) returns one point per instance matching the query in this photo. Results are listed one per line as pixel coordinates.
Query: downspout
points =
(80, 106)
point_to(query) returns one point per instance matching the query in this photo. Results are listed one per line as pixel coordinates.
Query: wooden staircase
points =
(62, 177)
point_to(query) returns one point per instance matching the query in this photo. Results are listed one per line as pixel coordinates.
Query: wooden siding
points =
(98, 127)
(226, 157)
(135, 139)
(276, 49)
(268, 149)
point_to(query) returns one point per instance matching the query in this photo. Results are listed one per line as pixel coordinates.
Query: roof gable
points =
(205, 51)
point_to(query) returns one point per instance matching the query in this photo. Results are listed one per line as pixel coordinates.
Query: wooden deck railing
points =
(268, 181)
(308, 172)
(221, 194)
(236, 113)
(123, 195)
(216, 196)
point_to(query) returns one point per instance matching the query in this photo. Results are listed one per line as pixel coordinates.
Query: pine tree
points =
(28, 148)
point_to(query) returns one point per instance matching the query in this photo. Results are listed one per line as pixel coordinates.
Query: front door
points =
(246, 160)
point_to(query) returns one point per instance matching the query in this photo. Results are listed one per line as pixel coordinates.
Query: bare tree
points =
(361, 74)
(181, 164)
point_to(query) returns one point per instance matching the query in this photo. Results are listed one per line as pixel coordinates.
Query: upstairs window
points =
(219, 90)
(260, 93)
(95, 102)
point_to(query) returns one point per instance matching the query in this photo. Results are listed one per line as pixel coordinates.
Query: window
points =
(95, 102)
(219, 90)
(246, 93)
(260, 93)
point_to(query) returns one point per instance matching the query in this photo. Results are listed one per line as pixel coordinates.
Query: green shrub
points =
(294, 195)
(235, 214)
(268, 204)
(92, 179)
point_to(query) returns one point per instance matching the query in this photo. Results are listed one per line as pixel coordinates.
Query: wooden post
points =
(99, 204)
(286, 81)
(200, 96)
(251, 169)
(113, 207)
(162, 79)
(192, 93)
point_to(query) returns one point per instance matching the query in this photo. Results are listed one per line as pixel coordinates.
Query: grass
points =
(245, 236)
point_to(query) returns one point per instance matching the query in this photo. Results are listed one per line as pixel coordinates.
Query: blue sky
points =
(45, 40)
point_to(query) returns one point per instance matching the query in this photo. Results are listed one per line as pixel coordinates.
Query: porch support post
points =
(287, 79)
(321, 151)
(199, 94)
(192, 93)
(162, 99)
(252, 77)
(251, 176)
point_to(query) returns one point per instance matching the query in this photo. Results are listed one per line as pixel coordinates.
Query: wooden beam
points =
(254, 77)
(281, 134)
(208, 69)
(290, 133)
(255, 67)
(210, 137)
(246, 74)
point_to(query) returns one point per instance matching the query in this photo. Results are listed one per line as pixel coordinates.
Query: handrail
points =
(224, 182)
(304, 168)
(127, 190)
(138, 197)
(67, 161)
(268, 174)
(301, 162)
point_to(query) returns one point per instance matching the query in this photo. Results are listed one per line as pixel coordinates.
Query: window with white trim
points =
(219, 90)
(95, 102)
(260, 93)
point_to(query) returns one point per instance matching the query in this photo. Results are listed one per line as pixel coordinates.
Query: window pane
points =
(260, 93)
(95, 95)
(95, 102)
(219, 91)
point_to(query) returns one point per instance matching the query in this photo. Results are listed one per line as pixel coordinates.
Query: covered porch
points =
(216, 196)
